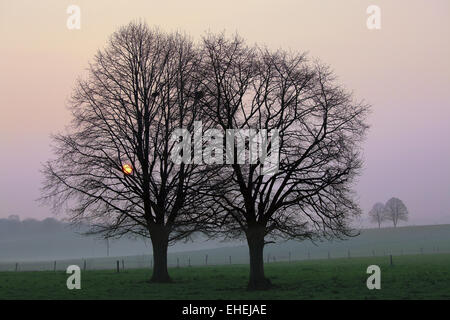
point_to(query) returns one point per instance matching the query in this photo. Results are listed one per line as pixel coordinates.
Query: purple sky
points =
(403, 70)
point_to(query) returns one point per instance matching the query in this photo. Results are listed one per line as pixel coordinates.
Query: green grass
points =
(411, 277)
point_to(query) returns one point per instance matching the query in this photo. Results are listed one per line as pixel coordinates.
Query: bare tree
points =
(396, 211)
(320, 128)
(113, 167)
(378, 213)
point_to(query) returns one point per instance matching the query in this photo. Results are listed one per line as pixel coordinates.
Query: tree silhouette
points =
(320, 127)
(113, 168)
(378, 213)
(396, 211)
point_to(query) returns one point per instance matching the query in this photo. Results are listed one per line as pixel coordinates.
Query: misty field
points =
(42, 251)
(411, 277)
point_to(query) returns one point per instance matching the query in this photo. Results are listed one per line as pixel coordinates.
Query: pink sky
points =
(403, 70)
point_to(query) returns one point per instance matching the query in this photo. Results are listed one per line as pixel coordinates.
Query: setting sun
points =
(127, 169)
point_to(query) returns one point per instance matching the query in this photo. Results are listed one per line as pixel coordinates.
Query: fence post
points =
(189, 261)
(349, 254)
(84, 265)
(268, 257)
(391, 260)
(117, 264)
(178, 262)
(206, 260)
(17, 266)
(289, 257)
(54, 266)
(123, 264)
(230, 259)
(151, 263)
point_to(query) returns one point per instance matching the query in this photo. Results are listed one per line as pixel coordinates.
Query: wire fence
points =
(214, 257)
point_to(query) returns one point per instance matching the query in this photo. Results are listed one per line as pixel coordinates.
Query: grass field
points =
(411, 277)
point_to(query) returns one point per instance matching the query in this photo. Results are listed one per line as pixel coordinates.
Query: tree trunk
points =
(160, 243)
(255, 240)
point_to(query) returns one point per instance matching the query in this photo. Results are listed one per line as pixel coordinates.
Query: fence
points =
(237, 256)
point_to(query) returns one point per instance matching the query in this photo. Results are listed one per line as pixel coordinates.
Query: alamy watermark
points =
(258, 146)
(74, 20)
(374, 19)
(74, 280)
(374, 280)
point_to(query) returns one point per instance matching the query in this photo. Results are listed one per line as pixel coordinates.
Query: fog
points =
(48, 239)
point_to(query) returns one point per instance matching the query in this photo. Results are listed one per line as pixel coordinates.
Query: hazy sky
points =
(403, 70)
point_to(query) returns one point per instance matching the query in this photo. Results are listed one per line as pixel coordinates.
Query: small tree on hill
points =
(377, 213)
(396, 210)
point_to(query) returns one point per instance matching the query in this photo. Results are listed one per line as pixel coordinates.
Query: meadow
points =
(421, 276)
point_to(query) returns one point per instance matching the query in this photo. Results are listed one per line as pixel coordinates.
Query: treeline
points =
(14, 227)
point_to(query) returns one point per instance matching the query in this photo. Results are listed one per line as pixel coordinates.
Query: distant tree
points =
(377, 213)
(10, 226)
(396, 211)
(51, 225)
(31, 225)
